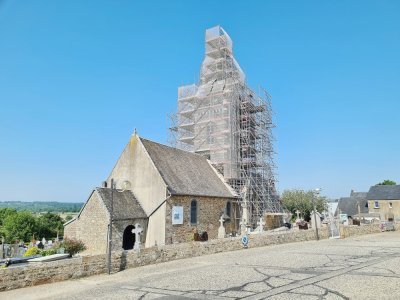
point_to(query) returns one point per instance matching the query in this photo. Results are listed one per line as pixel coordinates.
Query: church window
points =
(228, 209)
(193, 212)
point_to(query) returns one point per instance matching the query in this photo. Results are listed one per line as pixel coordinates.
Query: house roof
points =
(186, 173)
(348, 205)
(384, 192)
(126, 206)
(362, 195)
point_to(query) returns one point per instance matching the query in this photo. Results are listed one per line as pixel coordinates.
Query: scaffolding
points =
(221, 118)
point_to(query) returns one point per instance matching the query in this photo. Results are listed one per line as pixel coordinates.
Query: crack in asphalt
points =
(351, 265)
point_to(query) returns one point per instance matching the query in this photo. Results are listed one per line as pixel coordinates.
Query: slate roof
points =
(348, 205)
(384, 192)
(126, 206)
(186, 173)
(362, 195)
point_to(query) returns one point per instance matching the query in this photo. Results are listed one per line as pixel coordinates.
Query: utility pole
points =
(110, 227)
(317, 191)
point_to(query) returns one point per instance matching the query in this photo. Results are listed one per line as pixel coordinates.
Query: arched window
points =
(228, 209)
(193, 212)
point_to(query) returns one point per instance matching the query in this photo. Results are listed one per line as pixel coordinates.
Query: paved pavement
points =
(365, 267)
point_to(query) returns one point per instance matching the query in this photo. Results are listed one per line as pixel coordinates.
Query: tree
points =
(48, 225)
(387, 182)
(19, 226)
(4, 213)
(303, 201)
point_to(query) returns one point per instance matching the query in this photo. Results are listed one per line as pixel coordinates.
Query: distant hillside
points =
(57, 207)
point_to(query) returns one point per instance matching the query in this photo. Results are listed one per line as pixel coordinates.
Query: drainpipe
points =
(165, 200)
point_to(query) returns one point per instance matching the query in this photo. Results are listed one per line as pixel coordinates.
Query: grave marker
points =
(137, 232)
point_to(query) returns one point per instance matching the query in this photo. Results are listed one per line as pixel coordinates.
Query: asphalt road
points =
(365, 267)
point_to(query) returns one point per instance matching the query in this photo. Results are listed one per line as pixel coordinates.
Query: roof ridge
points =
(173, 148)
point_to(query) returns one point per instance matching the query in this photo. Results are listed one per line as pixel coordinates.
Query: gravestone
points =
(245, 218)
(261, 224)
(137, 232)
(14, 250)
(243, 228)
(221, 229)
(287, 217)
(21, 252)
(8, 250)
(318, 217)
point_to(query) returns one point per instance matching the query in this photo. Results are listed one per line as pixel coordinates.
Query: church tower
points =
(221, 118)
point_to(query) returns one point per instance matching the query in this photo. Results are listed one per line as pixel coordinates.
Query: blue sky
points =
(76, 77)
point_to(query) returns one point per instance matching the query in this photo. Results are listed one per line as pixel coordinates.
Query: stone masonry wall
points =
(209, 210)
(353, 230)
(118, 232)
(40, 273)
(91, 227)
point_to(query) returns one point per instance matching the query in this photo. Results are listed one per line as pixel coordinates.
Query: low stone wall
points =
(40, 273)
(353, 230)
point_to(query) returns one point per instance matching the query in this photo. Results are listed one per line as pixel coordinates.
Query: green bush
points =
(32, 251)
(73, 246)
(49, 251)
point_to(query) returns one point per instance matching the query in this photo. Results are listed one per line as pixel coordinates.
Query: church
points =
(170, 193)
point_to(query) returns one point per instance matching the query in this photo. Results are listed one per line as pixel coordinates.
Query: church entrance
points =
(128, 240)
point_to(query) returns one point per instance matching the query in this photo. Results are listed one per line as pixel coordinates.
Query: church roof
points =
(362, 195)
(126, 206)
(384, 192)
(349, 206)
(186, 173)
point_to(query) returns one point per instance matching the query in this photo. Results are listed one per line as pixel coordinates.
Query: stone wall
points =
(91, 226)
(209, 210)
(119, 227)
(353, 230)
(40, 273)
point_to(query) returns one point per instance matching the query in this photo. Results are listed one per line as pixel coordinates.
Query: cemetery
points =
(19, 254)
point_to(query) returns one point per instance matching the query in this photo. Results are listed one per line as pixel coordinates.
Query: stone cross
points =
(243, 228)
(221, 221)
(221, 229)
(137, 232)
(297, 213)
(261, 224)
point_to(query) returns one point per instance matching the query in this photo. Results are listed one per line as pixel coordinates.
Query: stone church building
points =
(171, 193)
